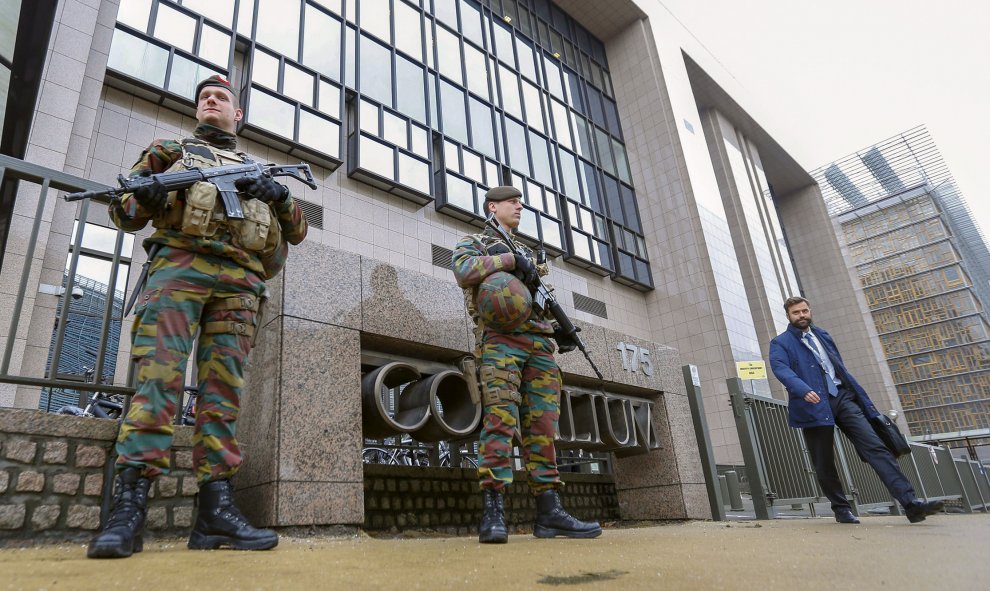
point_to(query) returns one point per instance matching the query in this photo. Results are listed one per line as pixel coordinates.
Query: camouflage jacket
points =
(130, 216)
(472, 263)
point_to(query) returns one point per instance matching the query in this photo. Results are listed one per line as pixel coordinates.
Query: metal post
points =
(723, 486)
(750, 449)
(693, 385)
(732, 483)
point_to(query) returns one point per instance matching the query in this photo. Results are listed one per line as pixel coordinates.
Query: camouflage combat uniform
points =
(195, 283)
(519, 377)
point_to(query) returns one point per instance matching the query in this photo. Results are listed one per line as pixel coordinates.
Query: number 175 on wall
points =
(635, 358)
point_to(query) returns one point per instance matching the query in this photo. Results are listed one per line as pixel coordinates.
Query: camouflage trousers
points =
(188, 292)
(519, 379)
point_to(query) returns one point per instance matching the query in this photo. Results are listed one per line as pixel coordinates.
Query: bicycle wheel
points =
(374, 455)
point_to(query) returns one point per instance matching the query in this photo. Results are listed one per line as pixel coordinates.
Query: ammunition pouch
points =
(499, 385)
(199, 215)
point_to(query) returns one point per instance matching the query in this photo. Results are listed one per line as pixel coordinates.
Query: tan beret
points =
(502, 193)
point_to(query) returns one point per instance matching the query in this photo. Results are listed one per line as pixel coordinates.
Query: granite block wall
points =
(52, 475)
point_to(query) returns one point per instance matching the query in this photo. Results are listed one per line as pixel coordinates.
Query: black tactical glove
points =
(566, 342)
(153, 196)
(262, 188)
(526, 271)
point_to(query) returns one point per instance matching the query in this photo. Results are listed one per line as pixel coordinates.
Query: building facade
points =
(925, 272)
(676, 224)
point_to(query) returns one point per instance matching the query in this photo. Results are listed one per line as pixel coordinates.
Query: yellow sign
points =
(751, 370)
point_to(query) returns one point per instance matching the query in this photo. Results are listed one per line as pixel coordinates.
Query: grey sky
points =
(829, 78)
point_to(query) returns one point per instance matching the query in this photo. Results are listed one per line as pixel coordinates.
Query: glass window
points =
(481, 127)
(350, 10)
(492, 174)
(395, 130)
(451, 155)
(612, 117)
(278, 26)
(420, 141)
(376, 71)
(515, 141)
(459, 193)
(175, 28)
(629, 208)
(553, 77)
(376, 18)
(321, 45)
(265, 69)
(584, 147)
(534, 106)
(319, 133)
(221, 11)
(138, 58)
(446, 11)
(409, 36)
(503, 44)
(214, 46)
(471, 23)
(333, 5)
(271, 113)
(471, 166)
(411, 99)
(449, 55)
(186, 74)
(510, 91)
(329, 99)
(298, 85)
(370, 117)
(573, 84)
(452, 111)
(541, 158)
(477, 71)
(245, 18)
(377, 157)
(589, 180)
(569, 175)
(350, 51)
(527, 65)
(134, 13)
(414, 173)
(604, 151)
(428, 34)
(527, 223)
(612, 199)
(561, 125)
(621, 162)
(552, 233)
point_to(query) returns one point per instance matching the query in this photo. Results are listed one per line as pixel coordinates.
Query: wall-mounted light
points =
(58, 290)
(556, 54)
(507, 18)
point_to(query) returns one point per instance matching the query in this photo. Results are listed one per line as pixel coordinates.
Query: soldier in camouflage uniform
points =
(519, 378)
(207, 276)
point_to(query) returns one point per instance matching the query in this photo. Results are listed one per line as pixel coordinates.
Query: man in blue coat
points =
(822, 394)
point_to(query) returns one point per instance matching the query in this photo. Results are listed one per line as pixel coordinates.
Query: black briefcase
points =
(890, 435)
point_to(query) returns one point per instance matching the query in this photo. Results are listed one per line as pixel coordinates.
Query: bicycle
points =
(99, 405)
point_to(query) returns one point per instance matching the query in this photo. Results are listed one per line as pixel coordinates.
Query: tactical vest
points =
(198, 211)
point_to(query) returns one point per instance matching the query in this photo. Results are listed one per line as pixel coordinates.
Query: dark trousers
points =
(850, 419)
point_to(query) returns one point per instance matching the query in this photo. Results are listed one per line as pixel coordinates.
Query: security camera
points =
(77, 292)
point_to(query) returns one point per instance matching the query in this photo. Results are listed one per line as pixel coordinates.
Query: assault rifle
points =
(222, 177)
(543, 299)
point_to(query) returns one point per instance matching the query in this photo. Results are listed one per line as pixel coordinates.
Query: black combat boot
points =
(121, 536)
(493, 529)
(220, 523)
(552, 520)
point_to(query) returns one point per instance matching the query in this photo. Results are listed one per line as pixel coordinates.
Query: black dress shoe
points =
(845, 516)
(917, 510)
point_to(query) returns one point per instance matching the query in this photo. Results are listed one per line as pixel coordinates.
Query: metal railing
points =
(47, 182)
(781, 473)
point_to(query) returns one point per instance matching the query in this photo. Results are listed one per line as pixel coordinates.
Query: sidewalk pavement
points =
(947, 552)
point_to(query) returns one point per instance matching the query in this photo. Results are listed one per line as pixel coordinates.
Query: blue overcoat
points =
(797, 368)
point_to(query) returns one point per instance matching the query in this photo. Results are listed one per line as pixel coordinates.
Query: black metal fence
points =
(780, 471)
